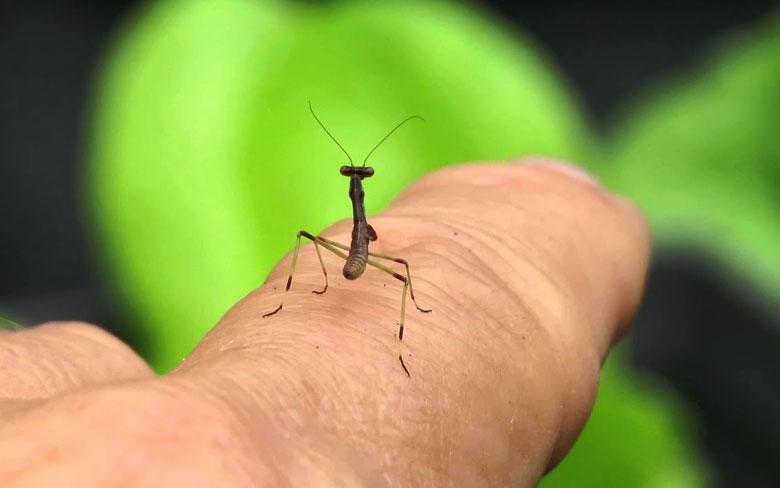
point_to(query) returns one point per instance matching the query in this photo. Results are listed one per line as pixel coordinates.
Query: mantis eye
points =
(359, 171)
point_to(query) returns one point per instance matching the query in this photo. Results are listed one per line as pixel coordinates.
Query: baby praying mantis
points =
(358, 255)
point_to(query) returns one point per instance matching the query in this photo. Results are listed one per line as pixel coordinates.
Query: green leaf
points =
(701, 155)
(205, 161)
(639, 434)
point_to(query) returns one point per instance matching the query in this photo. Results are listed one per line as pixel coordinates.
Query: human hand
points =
(532, 274)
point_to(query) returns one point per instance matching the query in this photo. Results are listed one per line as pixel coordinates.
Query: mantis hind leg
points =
(334, 247)
(381, 267)
(407, 281)
(399, 277)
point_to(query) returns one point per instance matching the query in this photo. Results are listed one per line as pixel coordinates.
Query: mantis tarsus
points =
(357, 255)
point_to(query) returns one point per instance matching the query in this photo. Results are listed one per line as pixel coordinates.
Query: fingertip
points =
(560, 167)
(635, 219)
(636, 246)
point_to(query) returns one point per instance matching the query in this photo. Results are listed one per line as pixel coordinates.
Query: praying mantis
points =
(357, 254)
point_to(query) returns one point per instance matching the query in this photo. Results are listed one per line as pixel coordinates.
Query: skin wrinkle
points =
(263, 431)
(559, 362)
(609, 206)
(526, 247)
(476, 279)
(81, 405)
(352, 402)
(577, 280)
(445, 447)
(489, 308)
(535, 189)
(9, 361)
(445, 468)
(46, 377)
(485, 268)
(480, 228)
(545, 330)
(466, 342)
(63, 352)
(486, 262)
(574, 247)
(8, 351)
(324, 387)
(384, 449)
(482, 266)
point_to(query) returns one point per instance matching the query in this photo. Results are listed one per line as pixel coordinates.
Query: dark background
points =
(49, 50)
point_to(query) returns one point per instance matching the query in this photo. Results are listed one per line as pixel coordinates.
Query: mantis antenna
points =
(389, 134)
(331, 135)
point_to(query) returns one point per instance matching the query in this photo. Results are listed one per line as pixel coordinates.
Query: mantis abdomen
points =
(356, 263)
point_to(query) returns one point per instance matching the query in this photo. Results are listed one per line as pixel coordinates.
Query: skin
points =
(532, 272)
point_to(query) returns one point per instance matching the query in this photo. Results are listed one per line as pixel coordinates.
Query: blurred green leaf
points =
(701, 155)
(8, 324)
(637, 435)
(206, 161)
